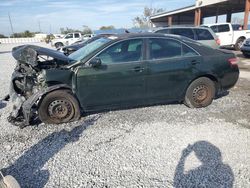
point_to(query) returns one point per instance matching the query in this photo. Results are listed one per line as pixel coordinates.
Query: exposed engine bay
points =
(28, 79)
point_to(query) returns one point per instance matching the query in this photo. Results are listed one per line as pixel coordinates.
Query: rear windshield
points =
(186, 32)
(220, 28)
(203, 34)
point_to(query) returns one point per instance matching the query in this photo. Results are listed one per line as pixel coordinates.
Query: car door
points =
(120, 80)
(69, 38)
(170, 68)
(76, 38)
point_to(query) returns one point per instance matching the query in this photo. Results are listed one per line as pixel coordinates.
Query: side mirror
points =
(95, 62)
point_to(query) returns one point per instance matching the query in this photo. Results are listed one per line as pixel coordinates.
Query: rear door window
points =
(186, 32)
(188, 52)
(203, 34)
(163, 31)
(223, 28)
(160, 48)
(77, 35)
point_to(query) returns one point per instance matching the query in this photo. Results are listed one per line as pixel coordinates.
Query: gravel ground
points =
(159, 146)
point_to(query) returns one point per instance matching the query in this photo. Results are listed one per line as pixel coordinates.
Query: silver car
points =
(203, 35)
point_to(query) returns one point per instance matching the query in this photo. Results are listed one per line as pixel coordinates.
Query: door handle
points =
(194, 62)
(138, 69)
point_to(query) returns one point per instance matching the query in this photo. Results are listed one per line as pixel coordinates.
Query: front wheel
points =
(59, 106)
(200, 93)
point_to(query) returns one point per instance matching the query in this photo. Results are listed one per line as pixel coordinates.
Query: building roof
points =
(176, 11)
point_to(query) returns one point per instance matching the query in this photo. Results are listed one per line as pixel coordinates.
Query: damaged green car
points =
(116, 72)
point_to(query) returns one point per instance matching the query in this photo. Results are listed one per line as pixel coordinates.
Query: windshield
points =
(88, 49)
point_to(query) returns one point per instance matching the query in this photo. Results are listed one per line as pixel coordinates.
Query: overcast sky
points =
(54, 14)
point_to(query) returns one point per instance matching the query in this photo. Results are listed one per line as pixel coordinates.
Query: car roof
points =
(181, 27)
(146, 35)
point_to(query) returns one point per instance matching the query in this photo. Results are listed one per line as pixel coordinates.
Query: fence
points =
(19, 40)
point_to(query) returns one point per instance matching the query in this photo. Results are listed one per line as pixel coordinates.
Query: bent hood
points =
(28, 54)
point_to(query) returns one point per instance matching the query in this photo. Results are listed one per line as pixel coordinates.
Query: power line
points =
(39, 26)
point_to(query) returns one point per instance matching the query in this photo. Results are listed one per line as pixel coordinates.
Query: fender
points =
(26, 108)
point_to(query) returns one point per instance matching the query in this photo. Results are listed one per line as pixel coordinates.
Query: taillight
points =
(217, 41)
(233, 61)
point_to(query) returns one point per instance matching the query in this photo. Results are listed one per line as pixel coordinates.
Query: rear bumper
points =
(230, 79)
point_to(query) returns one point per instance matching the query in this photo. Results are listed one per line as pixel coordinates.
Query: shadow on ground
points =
(27, 169)
(5, 52)
(211, 173)
(2, 104)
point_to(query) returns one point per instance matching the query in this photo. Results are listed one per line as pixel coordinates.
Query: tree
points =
(68, 30)
(110, 27)
(24, 34)
(143, 21)
(3, 36)
(86, 30)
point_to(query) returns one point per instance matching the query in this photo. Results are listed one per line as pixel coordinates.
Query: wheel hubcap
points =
(60, 109)
(240, 44)
(200, 93)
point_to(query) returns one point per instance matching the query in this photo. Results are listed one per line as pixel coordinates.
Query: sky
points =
(52, 15)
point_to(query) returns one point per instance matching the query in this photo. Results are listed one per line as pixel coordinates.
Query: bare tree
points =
(86, 30)
(110, 27)
(143, 21)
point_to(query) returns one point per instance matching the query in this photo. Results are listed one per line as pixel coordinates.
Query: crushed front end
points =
(28, 81)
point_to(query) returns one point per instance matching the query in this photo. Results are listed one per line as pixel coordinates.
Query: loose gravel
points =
(158, 146)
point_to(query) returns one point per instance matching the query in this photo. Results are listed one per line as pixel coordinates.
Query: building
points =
(194, 15)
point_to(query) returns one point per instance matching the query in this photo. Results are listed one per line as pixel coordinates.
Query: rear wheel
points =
(59, 106)
(239, 43)
(200, 93)
(9, 182)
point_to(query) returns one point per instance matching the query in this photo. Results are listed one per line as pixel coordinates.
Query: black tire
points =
(200, 93)
(58, 45)
(59, 106)
(238, 44)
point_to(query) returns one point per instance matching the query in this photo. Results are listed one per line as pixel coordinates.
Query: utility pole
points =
(50, 29)
(11, 24)
(39, 26)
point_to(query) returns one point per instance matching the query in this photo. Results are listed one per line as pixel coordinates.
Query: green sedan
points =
(117, 72)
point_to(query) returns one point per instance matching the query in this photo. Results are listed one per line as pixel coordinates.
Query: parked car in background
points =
(87, 36)
(203, 35)
(229, 34)
(67, 50)
(245, 48)
(120, 71)
(68, 39)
